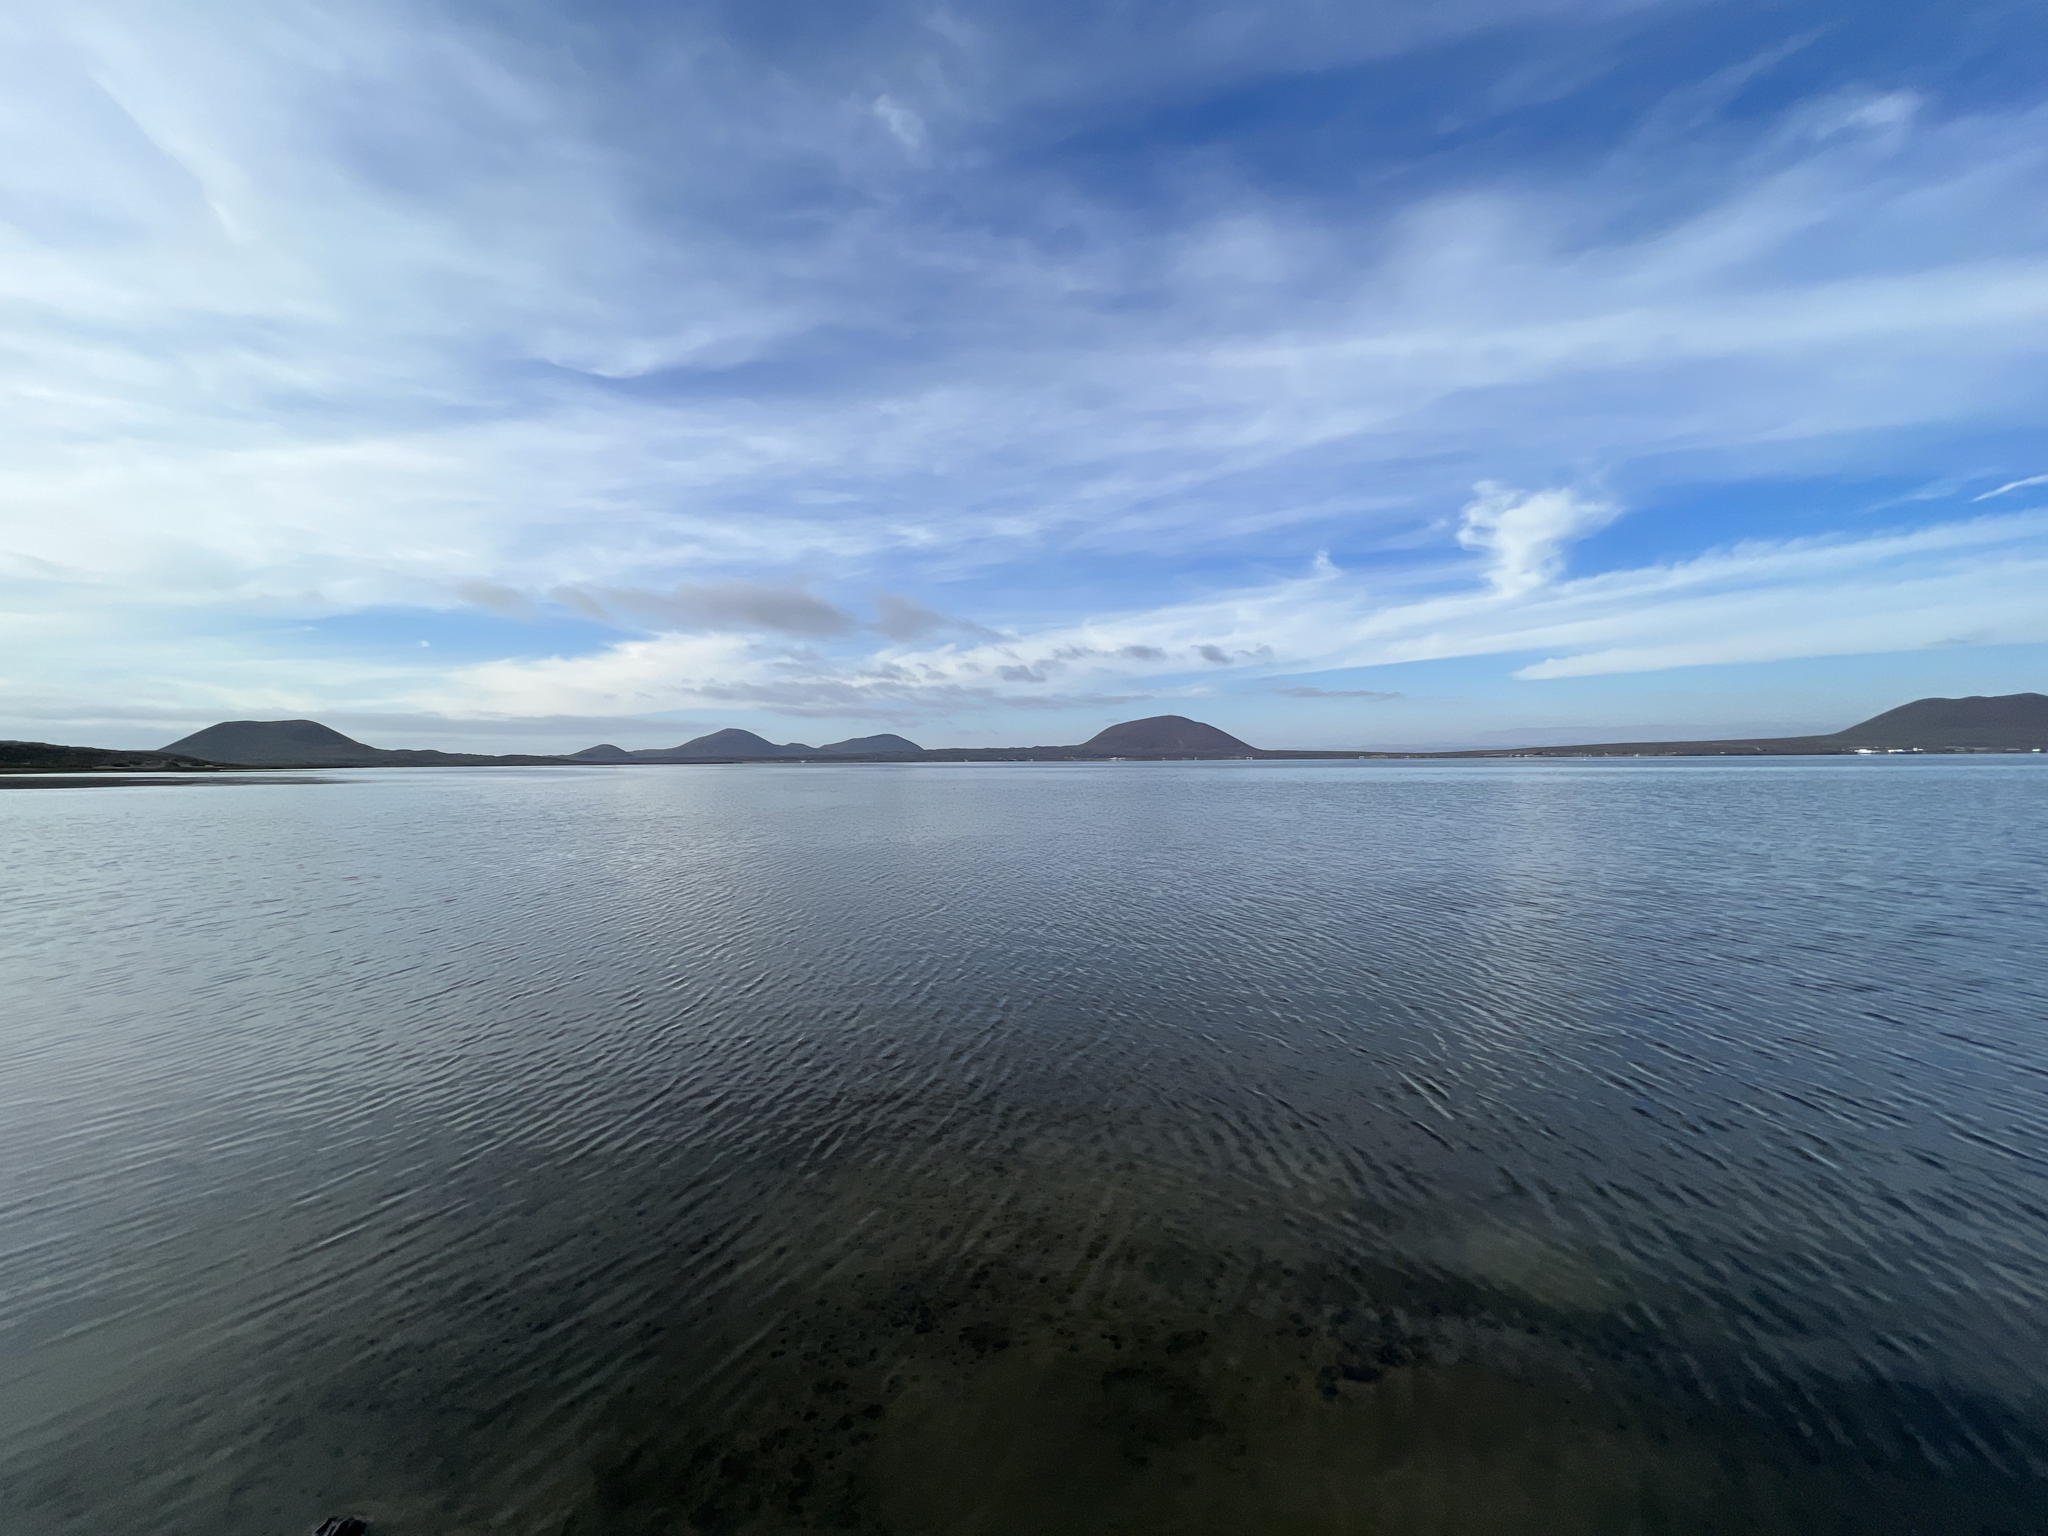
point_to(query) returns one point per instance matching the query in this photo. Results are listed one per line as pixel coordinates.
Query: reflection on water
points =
(1025, 1148)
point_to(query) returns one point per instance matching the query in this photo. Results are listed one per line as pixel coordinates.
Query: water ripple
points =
(1479, 1147)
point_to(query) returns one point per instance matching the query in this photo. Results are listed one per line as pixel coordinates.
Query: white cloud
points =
(2026, 483)
(330, 309)
(1973, 581)
(1523, 534)
(634, 677)
(903, 124)
(1885, 113)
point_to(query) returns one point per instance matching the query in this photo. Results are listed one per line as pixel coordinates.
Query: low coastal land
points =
(2016, 722)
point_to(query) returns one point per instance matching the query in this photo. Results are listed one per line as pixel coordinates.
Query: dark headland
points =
(48, 757)
(2013, 722)
(2007, 722)
(309, 744)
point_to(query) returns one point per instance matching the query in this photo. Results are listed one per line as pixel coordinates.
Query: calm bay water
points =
(1294, 1148)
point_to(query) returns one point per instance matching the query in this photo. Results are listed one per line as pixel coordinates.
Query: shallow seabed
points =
(1292, 1148)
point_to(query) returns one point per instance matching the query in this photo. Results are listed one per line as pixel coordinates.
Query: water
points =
(1293, 1148)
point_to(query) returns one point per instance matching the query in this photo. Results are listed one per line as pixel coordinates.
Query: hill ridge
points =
(1972, 722)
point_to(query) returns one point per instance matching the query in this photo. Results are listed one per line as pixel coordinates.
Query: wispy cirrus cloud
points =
(1976, 581)
(2025, 483)
(903, 618)
(715, 605)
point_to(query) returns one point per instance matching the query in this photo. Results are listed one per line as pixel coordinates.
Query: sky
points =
(517, 376)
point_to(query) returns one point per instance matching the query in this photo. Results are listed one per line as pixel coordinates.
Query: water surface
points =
(1003, 1148)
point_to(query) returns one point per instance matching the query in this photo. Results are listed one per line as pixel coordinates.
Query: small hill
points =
(733, 742)
(276, 744)
(1996, 720)
(1167, 736)
(603, 753)
(870, 746)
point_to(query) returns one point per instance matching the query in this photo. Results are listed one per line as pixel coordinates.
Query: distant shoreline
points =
(285, 773)
(1996, 725)
(114, 778)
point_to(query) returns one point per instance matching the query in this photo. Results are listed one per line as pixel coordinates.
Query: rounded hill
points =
(1168, 736)
(275, 744)
(871, 746)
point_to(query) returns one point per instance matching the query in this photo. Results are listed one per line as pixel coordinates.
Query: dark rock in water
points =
(343, 1525)
(1167, 736)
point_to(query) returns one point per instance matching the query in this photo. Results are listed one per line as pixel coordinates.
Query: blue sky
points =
(520, 376)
